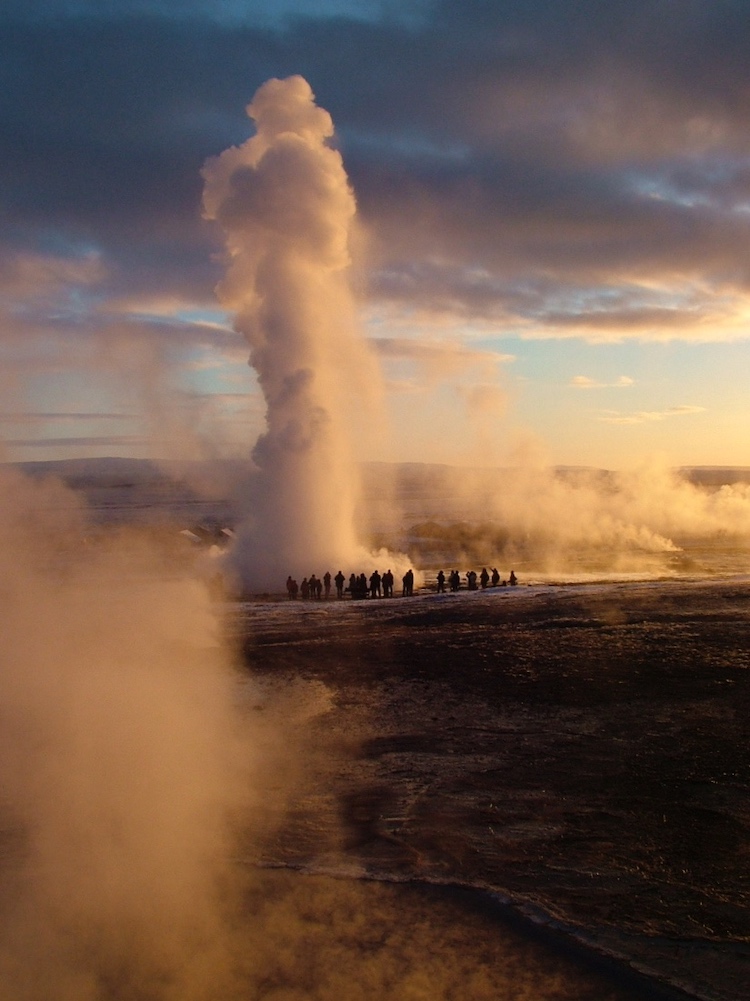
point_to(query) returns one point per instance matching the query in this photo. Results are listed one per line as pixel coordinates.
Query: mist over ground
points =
(144, 772)
(548, 522)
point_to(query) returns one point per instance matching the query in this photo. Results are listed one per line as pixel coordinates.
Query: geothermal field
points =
(534, 792)
(211, 792)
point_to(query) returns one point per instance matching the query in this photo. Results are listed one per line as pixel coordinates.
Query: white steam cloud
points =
(560, 522)
(124, 765)
(286, 208)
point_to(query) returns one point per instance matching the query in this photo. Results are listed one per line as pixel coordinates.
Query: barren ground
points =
(582, 750)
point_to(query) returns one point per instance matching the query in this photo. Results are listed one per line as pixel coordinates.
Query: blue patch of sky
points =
(213, 317)
(271, 13)
(208, 381)
(184, 317)
(661, 190)
(582, 302)
(700, 184)
(208, 372)
(277, 12)
(60, 243)
(218, 128)
(405, 145)
(79, 304)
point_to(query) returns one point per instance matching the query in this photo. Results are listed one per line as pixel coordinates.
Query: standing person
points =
(484, 578)
(289, 587)
(471, 580)
(408, 584)
(339, 582)
(440, 582)
(387, 584)
(305, 588)
(513, 579)
(318, 588)
(313, 583)
(353, 585)
(495, 576)
(327, 583)
(375, 580)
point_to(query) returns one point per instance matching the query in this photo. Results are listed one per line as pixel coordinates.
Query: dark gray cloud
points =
(507, 157)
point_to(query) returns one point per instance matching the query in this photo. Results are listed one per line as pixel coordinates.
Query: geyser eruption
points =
(286, 208)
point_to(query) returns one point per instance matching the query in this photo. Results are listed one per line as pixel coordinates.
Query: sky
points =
(553, 223)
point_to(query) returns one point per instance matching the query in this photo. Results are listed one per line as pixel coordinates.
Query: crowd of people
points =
(474, 580)
(380, 585)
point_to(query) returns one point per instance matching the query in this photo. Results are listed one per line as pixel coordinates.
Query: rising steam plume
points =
(286, 208)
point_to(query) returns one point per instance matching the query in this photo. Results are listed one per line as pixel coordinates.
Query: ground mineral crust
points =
(582, 751)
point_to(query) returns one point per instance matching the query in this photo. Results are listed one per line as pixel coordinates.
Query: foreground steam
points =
(286, 208)
(122, 764)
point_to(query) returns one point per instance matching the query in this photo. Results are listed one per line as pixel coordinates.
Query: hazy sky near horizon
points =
(553, 204)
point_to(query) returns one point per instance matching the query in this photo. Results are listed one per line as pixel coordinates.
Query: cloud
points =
(43, 417)
(537, 171)
(415, 365)
(444, 356)
(484, 400)
(34, 276)
(648, 416)
(89, 441)
(506, 157)
(584, 382)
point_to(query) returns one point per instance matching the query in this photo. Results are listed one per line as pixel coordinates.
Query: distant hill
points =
(414, 475)
(77, 471)
(146, 492)
(716, 476)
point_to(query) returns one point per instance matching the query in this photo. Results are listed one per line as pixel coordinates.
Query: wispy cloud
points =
(430, 362)
(585, 382)
(93, 441)
(647, 416)
(43, 417)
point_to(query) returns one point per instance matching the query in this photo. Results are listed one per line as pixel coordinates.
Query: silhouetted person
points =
(513, 579)
(455, 580)
(327, 583)
(339, 582)
(353, 585)
(375, 580)
(408, 584)
(289, 583)
(484, 578)
(387, 583)
(313, 586)
(471, 580)
(495, 576)
(440, 582)
(305, 588)
(318, 588)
